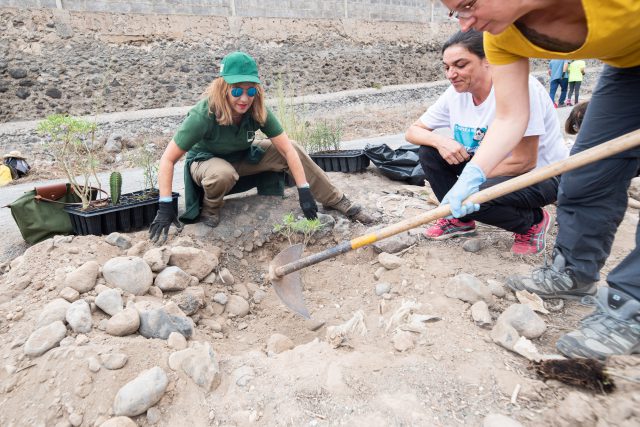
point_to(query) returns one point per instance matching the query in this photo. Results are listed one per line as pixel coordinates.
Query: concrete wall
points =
(377, 10)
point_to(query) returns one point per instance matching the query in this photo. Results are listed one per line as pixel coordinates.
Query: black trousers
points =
(592, 200)
(515, 212)
(574, 86)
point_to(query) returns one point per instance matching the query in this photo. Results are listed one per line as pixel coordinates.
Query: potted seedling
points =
(71, 143)
(321, 140)
(323, 145)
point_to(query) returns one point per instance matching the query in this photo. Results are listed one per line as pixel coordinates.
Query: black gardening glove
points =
(307, 203)
(159, 229)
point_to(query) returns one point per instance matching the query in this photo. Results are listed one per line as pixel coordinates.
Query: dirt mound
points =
(393, 349)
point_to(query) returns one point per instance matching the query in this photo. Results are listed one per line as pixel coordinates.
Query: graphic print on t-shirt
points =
(251, 136)
(469, 137)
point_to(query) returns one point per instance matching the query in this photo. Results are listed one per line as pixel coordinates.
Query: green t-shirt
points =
(201, 133)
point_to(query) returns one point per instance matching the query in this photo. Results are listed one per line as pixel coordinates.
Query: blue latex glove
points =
(468, 183)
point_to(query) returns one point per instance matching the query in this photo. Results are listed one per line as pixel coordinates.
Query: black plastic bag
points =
(401, 164)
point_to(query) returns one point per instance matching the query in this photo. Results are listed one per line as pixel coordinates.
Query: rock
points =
(69, 294)
(395, 243)
(241, 290)
(278, 343)
(199, 363)
(403, 341)
(188, 302)
(236, 306)
(379, 272)
(258, 296)
(473, 245)
(124, 323)
(45, 338)
(499, 420)
(212, 324)
(75, 419)
(177, 341)
(504, 335)
(79, 316)
(113, 144)
(18, 73)
(496, 288)
(524, 320)
(480, 314)
(159, 324)
(141, 393)
(113, 361)
(130, 274)
(155, 292)
(389, 261)
(137, 249)
(382, 288)
(195, 262)
(153, 415)
(23, 93)
(226, 277)
(120, 240)
(110, 301)
(94, 365)
(83, 279)
(53, 93)
(220, 298)
(468, 288)
(52, 311)
(119, 422)
(172, 279)
(157, 258)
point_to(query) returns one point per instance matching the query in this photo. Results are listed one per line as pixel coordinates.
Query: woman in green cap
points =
(218, 137)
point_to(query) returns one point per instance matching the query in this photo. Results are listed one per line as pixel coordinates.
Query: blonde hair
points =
(220, 108)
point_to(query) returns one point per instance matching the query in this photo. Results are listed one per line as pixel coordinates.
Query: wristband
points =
(305, 185)
(165, 199)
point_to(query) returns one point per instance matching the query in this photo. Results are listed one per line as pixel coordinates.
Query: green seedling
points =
(293, 229)
(115, 185)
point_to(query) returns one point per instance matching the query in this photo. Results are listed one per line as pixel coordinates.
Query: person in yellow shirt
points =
(591, 200)
(576, 73)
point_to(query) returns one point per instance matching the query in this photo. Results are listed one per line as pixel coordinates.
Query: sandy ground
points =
(452, 374)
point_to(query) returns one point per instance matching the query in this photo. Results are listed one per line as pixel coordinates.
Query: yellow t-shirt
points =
(575, 70)
(613, 37)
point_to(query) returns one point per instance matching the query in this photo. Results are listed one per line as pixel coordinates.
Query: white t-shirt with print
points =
(469, 122)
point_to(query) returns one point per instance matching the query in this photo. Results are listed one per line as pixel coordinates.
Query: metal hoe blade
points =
(289, 287)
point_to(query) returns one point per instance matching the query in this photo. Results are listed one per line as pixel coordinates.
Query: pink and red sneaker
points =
(448, 228)
(534, 240)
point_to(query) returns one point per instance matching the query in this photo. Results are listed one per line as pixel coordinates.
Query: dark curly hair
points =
(574, 121)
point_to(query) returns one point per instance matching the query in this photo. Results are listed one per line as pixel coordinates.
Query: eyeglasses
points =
(237, 92)
(464, 12)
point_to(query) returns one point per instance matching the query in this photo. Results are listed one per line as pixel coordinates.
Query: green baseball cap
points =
(239, 67)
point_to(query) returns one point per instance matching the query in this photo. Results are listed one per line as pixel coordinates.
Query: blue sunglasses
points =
(237, 92)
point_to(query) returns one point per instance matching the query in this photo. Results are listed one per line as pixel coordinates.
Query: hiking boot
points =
(552, 281)
(448, 228)
(534, 240)
(211, 219)
(352, 210)
(614, 328)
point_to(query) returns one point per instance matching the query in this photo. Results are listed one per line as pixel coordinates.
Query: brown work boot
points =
(352, 210)
(212, 218)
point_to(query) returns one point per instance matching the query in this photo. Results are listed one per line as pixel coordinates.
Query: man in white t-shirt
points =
(468, 107)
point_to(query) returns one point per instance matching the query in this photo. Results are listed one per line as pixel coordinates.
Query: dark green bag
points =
(39, 213)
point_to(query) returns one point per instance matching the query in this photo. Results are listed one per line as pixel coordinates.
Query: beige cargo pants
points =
(218, 176)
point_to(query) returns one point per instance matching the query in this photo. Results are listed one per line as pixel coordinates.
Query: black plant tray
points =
(135, 211)
(341, 161)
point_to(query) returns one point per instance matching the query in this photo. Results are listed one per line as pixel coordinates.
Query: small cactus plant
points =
(115, 182)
